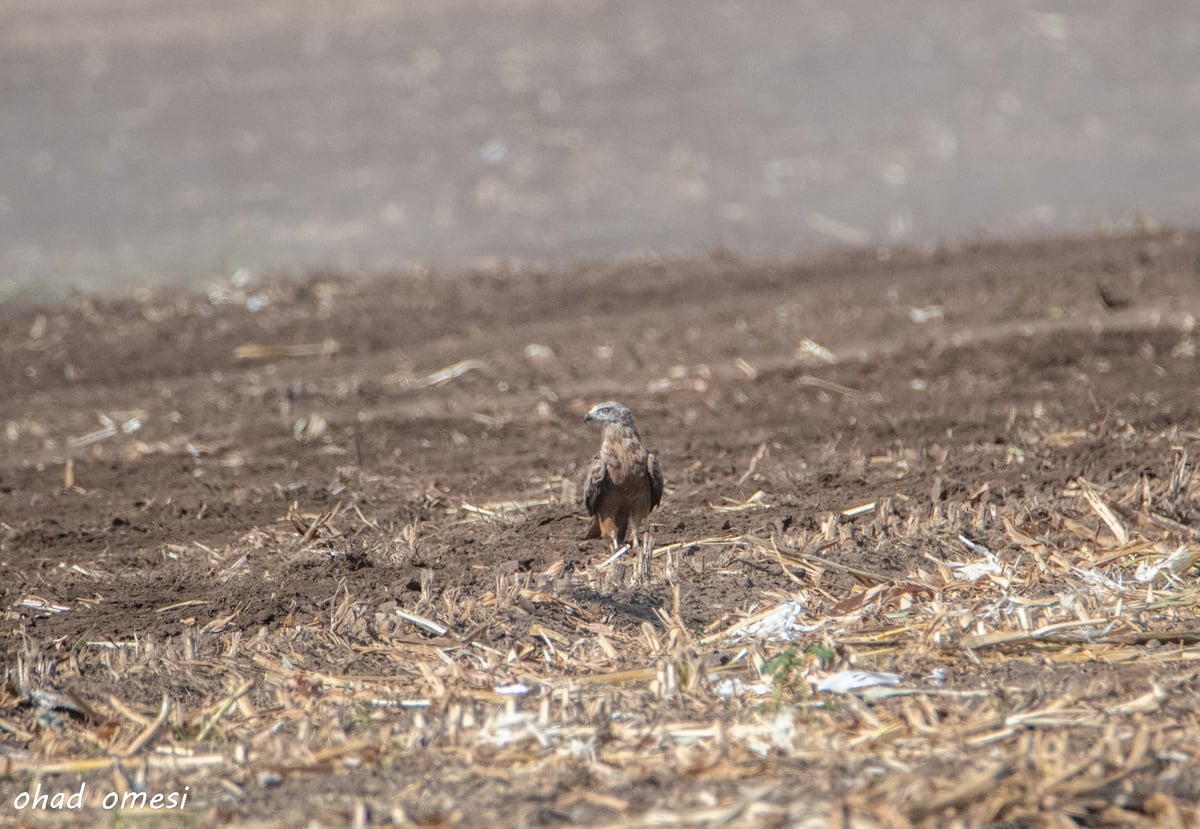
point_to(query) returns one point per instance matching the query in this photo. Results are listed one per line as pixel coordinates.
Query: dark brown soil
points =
(996, 374)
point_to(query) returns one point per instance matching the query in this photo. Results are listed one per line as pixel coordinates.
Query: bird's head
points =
(611, 412)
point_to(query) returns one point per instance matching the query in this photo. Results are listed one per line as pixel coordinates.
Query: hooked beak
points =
(588, 416)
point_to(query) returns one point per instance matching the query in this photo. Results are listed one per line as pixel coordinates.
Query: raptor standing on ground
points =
(624, 480)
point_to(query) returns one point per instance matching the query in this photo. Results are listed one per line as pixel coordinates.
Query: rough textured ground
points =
(288, 467)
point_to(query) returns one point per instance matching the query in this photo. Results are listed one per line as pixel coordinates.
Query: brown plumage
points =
(624, 480)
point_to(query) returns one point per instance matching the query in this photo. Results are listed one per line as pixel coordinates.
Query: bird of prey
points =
(624, 480)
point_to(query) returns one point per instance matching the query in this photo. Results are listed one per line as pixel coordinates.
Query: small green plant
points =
(784, 669)
(787, 669)
(822, 653)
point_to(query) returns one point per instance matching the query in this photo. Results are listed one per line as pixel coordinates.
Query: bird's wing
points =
(597, 484)
(656, 479)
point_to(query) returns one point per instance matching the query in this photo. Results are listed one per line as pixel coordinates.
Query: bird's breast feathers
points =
(624, 460)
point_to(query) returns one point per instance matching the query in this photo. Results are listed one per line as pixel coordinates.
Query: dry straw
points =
(988, 684)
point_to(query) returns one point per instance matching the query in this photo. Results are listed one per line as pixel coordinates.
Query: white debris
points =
(541, 357)
(845, 681)
(973, 571)
(454, 371)
(862, 509)
(234, 291)
(936, 677)
(760, 737)
(974, 546)
(257, 302)
(308, 429)
(734, 687)
(1096, 580)
(38, 603)
(929, 314)
(421, 622)
(777, 625)
(517, 689)
(517, 727)
(812, 351)
(92, 437)
(576, 747)
(1171, 565)
(608, 562)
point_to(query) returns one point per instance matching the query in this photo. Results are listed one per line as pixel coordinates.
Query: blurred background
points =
(147, 141)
